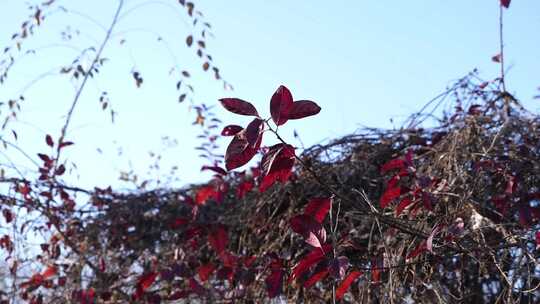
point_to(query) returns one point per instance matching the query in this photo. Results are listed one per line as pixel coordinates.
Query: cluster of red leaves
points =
(247, 141)
(322, 260)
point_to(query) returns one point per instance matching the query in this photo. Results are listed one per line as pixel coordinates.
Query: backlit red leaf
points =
(318, 208)
(389, 195)
(277, 165)
(49, 272)
(505, 3)
(303, 108)
(146, 280)
(239, 152)
(231, 130)
(218, 238)
(239, 106)
(254, 131)
(344, 286)
(404, 203)
(205, 271)
(312, 231)
(315, 278)
(396, 163)
(205, 193)
(280, 105)
(314, 257)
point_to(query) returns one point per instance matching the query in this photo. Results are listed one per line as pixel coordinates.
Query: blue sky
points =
(363, 62)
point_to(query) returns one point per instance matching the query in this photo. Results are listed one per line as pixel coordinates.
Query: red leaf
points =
(505, 3)
(346, 283)
(277, 165)
(239, 106)
(49, 272)
(44, 157)
(318, 208)
(421, 248)
(239, 152)
(61, 170)
(315, 278)
(146, 280)
(196, 287)
(243, 188)
(303, 108)
(537, 236)
(49, 140)
(274, 282)
(404, 203)
(389, 195)
(254, 131)
(280, 105)
(8, 215)
(312, 258)
(218, 238)
(65, 144)
(216, 169)
(312, 231)
(231, 130)
(205, 193)
(497, 59)
(396, 163)
(205, 271)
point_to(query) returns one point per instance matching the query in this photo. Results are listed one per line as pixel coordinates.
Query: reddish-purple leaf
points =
(44, 157)
(231, 130)
(315, 278)
(277, 165)
(49, 140)
(389, 195)
(312, 258)
(254, 131)
(280, 105)
(61, 170)
(196, 287)
(396, 163)
(303, 108)
(216, 169)
(8, 215)
(205, 271)
(312, 231)
(243, 188)
(346, 283)
(404, 203)
(338, 267)
(318, 208)
(274, 282)
(239, 152)
(65, 144)
(537, 236)
(505, 3)
(218, 238)
(239, 106)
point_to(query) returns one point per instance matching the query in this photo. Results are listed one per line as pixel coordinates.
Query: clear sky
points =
(363, 62)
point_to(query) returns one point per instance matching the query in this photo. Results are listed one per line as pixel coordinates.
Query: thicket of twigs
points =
(461, 198)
